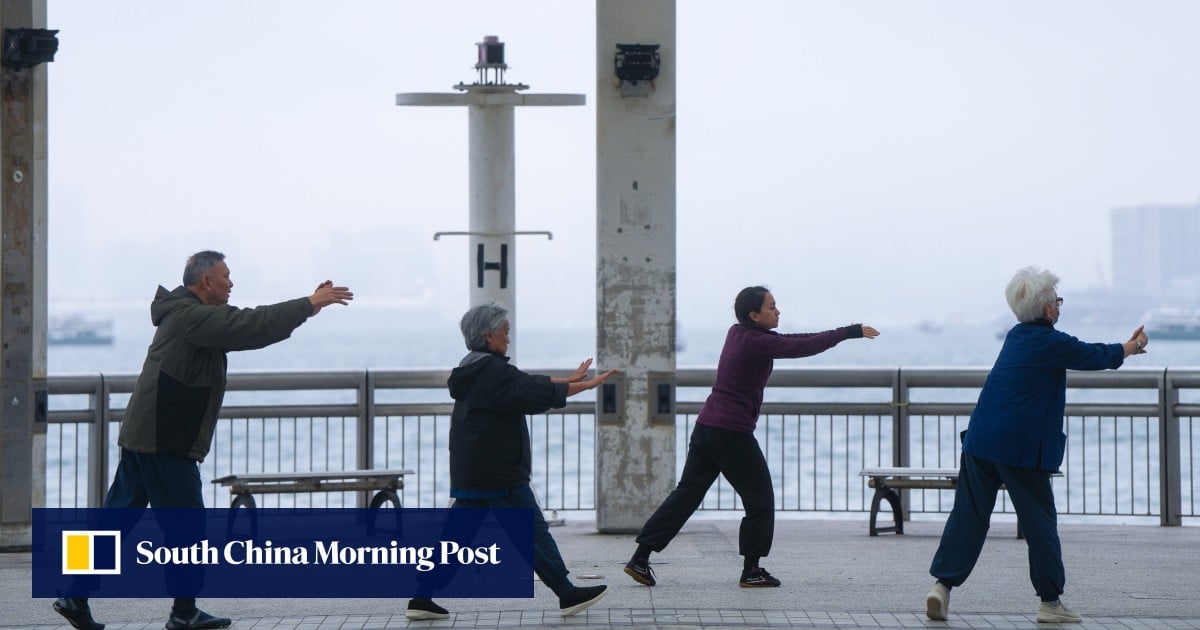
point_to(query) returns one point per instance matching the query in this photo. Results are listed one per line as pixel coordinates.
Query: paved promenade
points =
(833, 574)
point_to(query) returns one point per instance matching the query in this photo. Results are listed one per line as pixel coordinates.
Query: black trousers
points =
(966, 529)
(736, 455)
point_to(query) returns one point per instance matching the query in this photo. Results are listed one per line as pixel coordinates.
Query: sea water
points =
(377, 338)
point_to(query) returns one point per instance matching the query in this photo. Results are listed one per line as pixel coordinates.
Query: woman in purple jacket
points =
(723, 440)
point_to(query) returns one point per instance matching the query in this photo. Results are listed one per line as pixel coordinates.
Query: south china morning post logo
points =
(277, 552)
(91, 552)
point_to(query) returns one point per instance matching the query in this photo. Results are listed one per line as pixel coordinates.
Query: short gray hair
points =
(479, 321)
(198, 264)
(1029, 291)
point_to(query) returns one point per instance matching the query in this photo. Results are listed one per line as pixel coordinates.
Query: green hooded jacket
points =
(174, 406)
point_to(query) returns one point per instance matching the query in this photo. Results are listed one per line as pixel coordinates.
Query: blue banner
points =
(275, 552)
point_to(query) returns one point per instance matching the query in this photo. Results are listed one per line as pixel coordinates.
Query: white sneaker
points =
(1057, 612)
(937, 602)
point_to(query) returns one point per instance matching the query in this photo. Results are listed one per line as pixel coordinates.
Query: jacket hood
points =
(463, 377)
(167, 301)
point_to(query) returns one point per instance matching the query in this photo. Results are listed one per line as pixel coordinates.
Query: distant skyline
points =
(885, 162)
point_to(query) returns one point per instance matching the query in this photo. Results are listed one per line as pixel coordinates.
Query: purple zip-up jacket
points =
(745, 365)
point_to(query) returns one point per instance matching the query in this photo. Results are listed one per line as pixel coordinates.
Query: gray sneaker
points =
(1057, 612)
(937, 602)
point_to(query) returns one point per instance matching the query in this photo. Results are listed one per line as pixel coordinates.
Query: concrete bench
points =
(243, 487)
(887, 481)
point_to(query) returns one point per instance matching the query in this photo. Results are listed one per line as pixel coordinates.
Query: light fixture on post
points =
(636, 66)
(27, 47)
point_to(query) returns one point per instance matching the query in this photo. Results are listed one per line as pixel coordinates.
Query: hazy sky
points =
(886, 161)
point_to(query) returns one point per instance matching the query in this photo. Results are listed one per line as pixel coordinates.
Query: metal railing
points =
(1133, 443)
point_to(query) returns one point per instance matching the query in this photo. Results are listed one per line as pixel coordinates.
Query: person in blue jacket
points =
(1015, 439)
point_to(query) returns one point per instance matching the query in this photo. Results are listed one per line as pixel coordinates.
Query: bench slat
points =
(310, 476)
(908, 472)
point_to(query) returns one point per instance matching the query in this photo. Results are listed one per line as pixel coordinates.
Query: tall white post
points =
(492, 231)
(635, 258)
(492, 254)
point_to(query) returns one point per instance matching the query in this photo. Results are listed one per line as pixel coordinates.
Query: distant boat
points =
(1173, 323)
(79, 330)
(929, 326)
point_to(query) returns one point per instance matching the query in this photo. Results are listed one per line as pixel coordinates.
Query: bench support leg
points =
(242, 499)
(884, 493)
(387, 495)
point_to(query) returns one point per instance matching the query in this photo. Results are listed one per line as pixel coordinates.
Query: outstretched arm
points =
(327, 294)
(592, 383)
(579, 375)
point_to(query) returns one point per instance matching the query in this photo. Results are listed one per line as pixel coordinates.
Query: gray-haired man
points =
(172, 413)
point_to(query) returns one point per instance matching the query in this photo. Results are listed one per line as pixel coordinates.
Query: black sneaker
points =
(639, 569)
(757, 577)
(77, 612)
(580, 599)
(198, 620)
(424, 608)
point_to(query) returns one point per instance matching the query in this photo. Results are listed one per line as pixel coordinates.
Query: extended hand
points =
(1139, 338)
(327, 294)
(869, 333)
(582, 386)
(595, 382)
(581, 373)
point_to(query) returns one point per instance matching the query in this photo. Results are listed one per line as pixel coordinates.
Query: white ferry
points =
(79, 330)
(1173, 323)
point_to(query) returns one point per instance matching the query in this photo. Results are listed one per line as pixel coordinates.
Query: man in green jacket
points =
(172, 413)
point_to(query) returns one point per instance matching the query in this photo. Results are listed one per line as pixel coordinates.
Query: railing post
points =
(98, 444)
(900, 446)
(366, 428)
(1169, 476)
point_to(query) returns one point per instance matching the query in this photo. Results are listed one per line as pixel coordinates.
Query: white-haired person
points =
(1015, 438)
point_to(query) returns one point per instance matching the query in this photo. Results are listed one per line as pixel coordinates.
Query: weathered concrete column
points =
(22, 277)
(635, 258)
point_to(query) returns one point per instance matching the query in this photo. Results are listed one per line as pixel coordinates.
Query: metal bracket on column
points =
(610, 400)
(437, 236)
(660, 394)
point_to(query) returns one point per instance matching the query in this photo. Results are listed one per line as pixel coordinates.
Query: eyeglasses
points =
(1058, 301)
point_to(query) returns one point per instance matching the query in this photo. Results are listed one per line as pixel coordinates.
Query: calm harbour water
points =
(377, 338)
(366, 338)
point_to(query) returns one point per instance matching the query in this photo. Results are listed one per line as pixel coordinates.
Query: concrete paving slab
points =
(833, 574)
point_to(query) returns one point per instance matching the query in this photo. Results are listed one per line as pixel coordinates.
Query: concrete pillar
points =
(22, 282)
(635, 266)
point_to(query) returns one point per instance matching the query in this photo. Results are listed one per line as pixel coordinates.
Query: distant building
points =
(1156, 253)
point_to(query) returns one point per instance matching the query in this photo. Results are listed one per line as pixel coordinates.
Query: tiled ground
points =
(673, 618)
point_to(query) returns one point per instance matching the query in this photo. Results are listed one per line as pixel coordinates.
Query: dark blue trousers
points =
(547, 560)
(161, 481)
(966, 529)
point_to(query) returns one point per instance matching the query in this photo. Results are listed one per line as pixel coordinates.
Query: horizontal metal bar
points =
(800, 377)
(1113, 410)
(250, 381)
(70, 416)
(1126, 378)
(65, 384)
(289, 411)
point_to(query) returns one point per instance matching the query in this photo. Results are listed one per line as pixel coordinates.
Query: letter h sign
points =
(501, 266)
